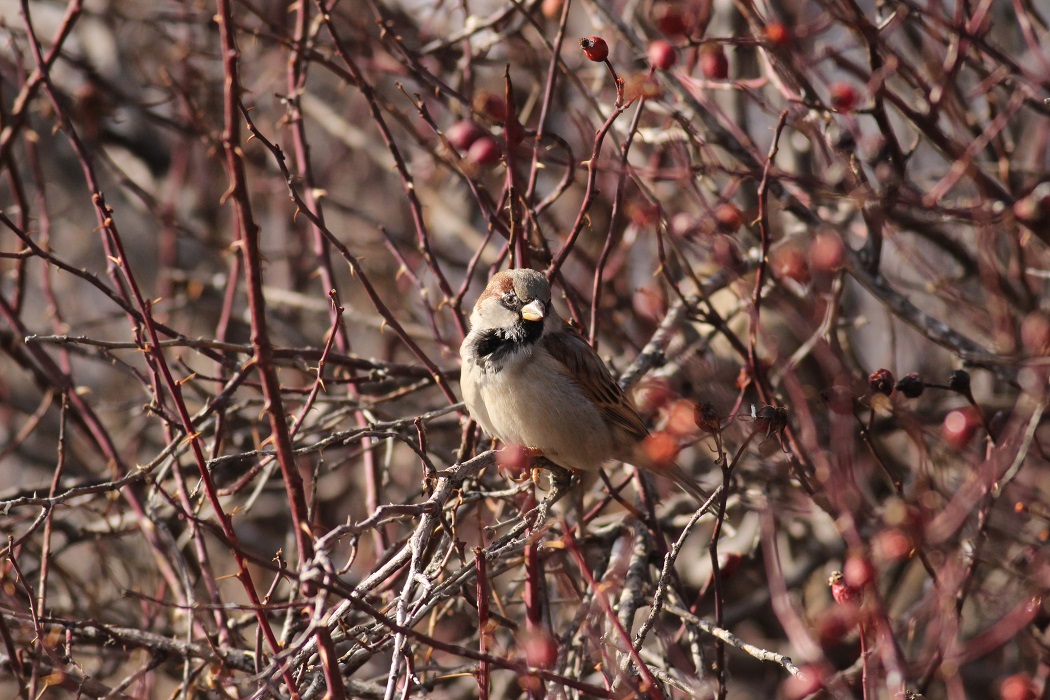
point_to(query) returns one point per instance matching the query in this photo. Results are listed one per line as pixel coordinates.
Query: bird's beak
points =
(533, 311)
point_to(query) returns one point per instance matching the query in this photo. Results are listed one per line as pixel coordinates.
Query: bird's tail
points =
(682, 478)
(642, 457)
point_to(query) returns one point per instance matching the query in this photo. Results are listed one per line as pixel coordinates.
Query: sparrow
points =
(531, 380)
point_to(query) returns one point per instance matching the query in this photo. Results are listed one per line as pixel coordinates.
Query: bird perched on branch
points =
(530, 380)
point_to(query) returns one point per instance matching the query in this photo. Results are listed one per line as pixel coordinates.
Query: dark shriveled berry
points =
(772, 420)
(959, 381)
(881, 382)
(706, 417)
(911, 385)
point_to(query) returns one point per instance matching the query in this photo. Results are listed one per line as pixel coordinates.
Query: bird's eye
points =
(510, 298)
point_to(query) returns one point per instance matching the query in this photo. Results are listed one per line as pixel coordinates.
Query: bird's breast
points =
(535, 404)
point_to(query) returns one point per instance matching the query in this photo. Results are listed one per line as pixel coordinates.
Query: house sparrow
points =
(532, 381)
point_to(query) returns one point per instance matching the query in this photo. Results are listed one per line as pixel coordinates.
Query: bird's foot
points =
(561, 484)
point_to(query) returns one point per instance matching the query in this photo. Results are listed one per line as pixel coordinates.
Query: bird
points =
(531, 380)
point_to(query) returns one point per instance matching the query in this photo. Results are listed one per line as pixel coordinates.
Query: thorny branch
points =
(240, 247)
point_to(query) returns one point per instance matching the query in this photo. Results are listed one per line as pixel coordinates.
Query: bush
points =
(241, 245)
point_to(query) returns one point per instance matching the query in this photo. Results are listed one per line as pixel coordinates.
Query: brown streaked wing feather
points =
(587, 368)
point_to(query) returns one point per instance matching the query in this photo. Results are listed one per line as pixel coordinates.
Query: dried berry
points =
(662, 55)
(959, 381)
(706, 417)
(911, 385)
(881, 382)
(772, 420)
(595, 48)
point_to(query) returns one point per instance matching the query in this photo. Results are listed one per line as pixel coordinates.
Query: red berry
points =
(683, 224)
(648, 303)
(858, 571)
(1033, 208)
(1017, 687)
(661, 448)
(484, 151)
(642, 213)
(728, 218)
(826, 252)
(662, 55)
(812, 678)
(652, 395)
(463, 134)
(892, 544)
(595, 48)
(541, 650)
(777, 34)
(551, 9)
(789, 261)
(713, 62)
(960, 426)
(724, 253)
(491, 105)
(680, 417)
(671, 20)
(1035, 333)
(842, 591)
(516, 460)
(843, 96)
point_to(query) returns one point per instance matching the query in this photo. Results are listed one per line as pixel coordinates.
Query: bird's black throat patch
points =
(496, 344)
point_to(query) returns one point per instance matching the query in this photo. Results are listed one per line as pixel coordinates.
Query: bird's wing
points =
(583, 364)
